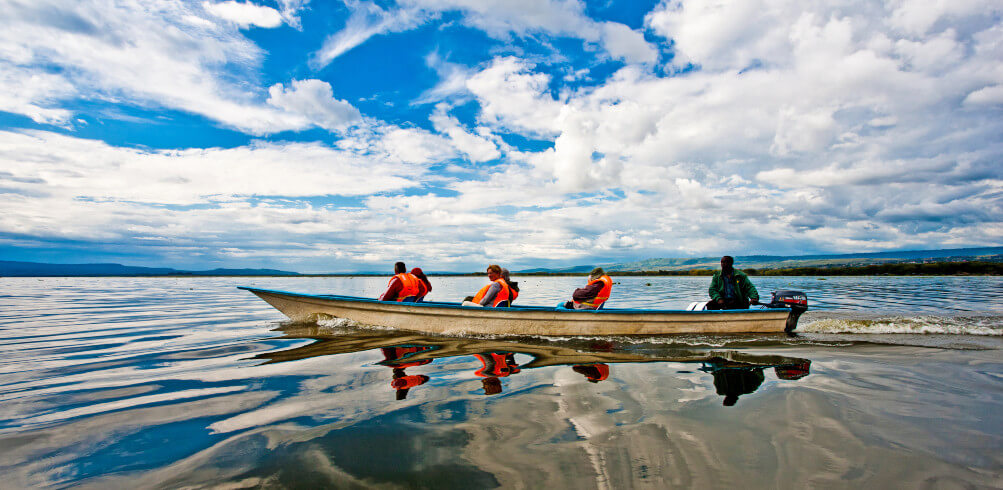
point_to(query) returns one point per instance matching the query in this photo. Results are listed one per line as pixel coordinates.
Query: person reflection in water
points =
(495, 365)
(733, 380)
(592, 372)
(396, 358)
(402, 382)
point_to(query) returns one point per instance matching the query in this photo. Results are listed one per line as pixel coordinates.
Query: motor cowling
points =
(797, 301)
(786, 298)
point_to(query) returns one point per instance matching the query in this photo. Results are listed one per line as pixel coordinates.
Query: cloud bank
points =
(566, 136)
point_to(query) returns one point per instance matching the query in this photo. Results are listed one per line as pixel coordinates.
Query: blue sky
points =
(324, 136)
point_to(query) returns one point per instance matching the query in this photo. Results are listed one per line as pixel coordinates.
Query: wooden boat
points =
(452, 318)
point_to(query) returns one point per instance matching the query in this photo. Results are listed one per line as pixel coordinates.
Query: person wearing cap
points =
(402, 287)
(424, 286)
(731, 289)
(594, 294)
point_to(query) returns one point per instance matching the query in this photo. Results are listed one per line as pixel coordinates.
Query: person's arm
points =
(588, 292)
(489, 296)
(393, 290)
(748, 289)
(715, 288)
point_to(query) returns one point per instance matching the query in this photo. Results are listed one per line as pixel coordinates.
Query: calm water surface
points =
(189, 382)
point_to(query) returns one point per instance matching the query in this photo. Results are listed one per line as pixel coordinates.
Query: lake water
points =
(189, 382)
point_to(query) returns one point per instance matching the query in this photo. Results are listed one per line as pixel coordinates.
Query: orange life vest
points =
(497, 364)
(409, 286)
(396, 357)
(503, 296)
(515, 295)
(603, 293)
(593, 372)
(408, 382)
(603, 370)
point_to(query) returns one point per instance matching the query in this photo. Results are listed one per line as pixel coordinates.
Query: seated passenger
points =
(402, 287)
(594, 294)
(513, 286)
(497, 294)
(730, 289)
(424, 285)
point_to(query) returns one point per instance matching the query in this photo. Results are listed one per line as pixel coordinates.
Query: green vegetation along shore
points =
(898, 269)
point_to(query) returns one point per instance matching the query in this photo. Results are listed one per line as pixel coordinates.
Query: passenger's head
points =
(417, 272)
(727, 262)
(597, 273)
(505, 275)
(399, 267)
(494, 272)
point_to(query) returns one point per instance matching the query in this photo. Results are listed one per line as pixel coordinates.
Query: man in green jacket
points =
(731, 289)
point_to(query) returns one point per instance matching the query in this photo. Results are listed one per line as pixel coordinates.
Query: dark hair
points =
(399, 267)
(728, 258)
(416, 272)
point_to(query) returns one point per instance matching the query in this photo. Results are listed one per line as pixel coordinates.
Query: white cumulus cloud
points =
(314, 100)
(245, 14)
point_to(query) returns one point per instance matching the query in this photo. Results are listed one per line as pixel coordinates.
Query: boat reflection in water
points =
(734, 373)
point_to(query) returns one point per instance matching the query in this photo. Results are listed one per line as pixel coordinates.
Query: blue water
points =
(189, 382)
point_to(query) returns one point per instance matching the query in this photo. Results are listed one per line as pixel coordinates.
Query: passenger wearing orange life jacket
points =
(595, 293)
(497, 294)
(512, 286)
(424, 285)
(403, 286)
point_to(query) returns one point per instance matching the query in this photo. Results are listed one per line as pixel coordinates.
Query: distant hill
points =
(987, 254)
(567, 270)
(38, 269)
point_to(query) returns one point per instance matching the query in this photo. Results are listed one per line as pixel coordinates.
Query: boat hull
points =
(451, 318)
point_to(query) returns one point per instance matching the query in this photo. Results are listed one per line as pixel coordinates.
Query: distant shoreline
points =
(972, 268)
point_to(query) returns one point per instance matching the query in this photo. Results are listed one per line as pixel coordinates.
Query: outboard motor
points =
(797, 301)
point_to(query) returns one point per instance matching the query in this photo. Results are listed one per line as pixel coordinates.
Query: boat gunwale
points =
(538, 309)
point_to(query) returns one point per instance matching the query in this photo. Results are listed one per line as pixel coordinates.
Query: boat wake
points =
(922, 325)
